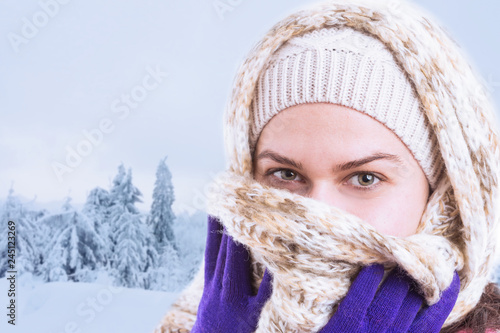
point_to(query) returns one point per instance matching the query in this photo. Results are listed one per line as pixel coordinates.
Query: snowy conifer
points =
(131, 242)
(13, 210)
(96, 207)
(161, 217)
(132, 251)
(28, 243)
(122, 199)
(96, 210)
(123, 193)
(75, 250)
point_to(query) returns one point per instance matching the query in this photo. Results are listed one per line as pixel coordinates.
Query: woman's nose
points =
(326, 192)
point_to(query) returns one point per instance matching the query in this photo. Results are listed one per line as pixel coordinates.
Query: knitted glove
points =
(228, 303)
(396, 307)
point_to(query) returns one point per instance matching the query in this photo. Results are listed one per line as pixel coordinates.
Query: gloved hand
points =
(228, 303)
(396, 307)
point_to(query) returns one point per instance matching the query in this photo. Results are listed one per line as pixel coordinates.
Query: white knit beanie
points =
(344, 66)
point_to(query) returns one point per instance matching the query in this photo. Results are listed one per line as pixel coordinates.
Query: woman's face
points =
(347, 159)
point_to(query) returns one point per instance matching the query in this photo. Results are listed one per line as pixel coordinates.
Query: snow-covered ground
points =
(66, 307)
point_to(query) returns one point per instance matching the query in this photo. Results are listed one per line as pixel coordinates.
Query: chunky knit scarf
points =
(313, 249)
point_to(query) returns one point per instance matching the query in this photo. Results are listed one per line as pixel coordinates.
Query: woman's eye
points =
(286, 174)
(360, 181)
(365, 180)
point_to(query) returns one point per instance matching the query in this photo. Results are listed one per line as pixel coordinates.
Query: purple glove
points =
(228, 303)
(396, 307)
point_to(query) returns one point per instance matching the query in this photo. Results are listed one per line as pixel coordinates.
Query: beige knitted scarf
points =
(314, 250)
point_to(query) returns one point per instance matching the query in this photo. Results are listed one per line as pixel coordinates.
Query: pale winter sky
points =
(134, 81)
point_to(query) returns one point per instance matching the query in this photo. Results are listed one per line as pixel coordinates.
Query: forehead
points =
(325, 123)
(329, 134)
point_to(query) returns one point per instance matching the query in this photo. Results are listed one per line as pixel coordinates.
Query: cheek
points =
(397, 215)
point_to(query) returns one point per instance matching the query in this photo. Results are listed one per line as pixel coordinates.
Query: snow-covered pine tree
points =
(122, 199)
(96, 209)
(161, 217)
(133, 251)
(132, 244)
(74, 251)
(12, 210)
(123, 193)
(27, 257)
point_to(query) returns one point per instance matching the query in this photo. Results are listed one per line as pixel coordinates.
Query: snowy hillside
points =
(59, 307)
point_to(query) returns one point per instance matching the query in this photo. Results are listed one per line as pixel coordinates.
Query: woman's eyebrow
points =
(278, 158)
(376, 156)
(339, 167)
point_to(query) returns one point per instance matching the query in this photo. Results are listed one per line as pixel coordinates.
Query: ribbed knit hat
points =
(344, 66)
